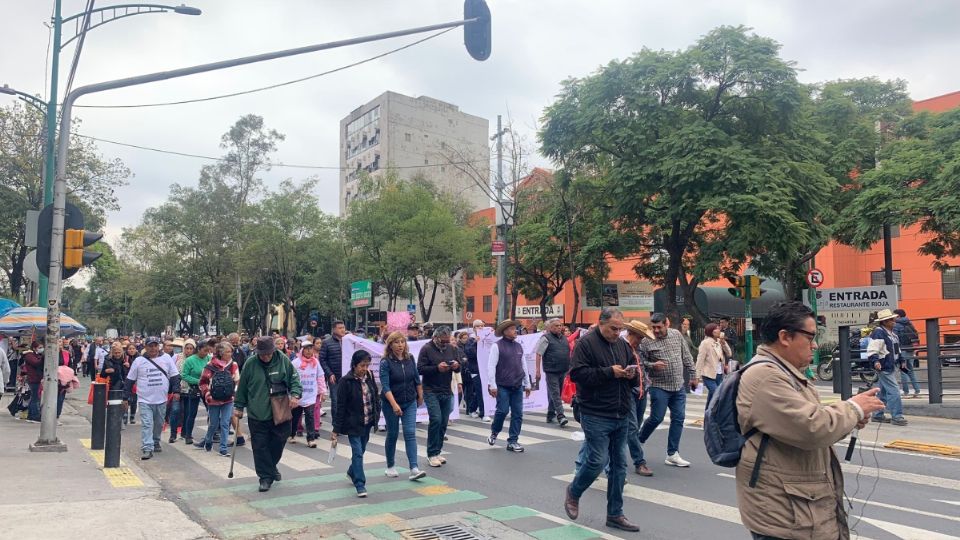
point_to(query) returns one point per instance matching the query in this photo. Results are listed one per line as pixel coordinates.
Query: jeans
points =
(267, 441)
(408, 415)
(509, 398)
(889, 394)
(438, 407)
(151, 424)
(910, 376)
(660, 400)
(33, 408)
(605, 439)
(477, 396)
(712, 385)
(189, 405)
(332, 391)
(61, 394)
(554, 403)
(309, 424)
(358, 445)
(176, 416)
(633, 433)
(219, 419)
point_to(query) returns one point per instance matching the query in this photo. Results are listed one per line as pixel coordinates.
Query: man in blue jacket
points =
(884, 353)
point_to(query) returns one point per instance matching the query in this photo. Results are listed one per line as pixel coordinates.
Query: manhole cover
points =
(441, 532)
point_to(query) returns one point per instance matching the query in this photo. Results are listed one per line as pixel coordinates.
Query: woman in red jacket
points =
(219, 396)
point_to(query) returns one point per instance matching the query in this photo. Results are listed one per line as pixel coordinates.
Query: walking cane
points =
(233, 455)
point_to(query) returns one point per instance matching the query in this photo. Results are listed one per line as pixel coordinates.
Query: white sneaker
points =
(677, 461)
(416, 474)
(434, 461)
(486, 419)
(443, 460)
(474, 415)
(391, 472)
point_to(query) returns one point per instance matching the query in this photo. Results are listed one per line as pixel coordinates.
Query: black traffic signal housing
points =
(74, 240)
(477, 35)
(74, 256)
(739, 287)
(747, 286)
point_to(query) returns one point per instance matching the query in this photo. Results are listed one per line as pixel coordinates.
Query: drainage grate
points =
(441, 532)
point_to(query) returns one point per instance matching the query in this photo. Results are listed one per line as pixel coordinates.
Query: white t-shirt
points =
(308, 381)
(152, 385)
(100, 356)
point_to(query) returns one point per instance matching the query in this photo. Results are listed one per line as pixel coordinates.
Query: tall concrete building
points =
(414, 136)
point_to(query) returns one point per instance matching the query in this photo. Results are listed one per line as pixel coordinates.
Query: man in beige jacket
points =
(798, 493)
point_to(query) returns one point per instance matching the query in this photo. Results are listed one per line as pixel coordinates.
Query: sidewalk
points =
(69, 495)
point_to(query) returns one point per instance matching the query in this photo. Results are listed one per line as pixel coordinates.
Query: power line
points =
(272, 86)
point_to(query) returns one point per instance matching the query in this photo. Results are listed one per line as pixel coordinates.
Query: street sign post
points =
(361, 294)
(815, 278)
(498, 248)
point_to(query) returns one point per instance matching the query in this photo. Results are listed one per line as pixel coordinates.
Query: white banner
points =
(855, 298)
(533, 312)
(538, 397)
(352, 343)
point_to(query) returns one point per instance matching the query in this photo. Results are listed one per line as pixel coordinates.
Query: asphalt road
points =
(893, 495)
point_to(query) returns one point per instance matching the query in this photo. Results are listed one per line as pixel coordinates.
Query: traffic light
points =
(747, 286)
(477, 34)
(739, 287)
(74, 256)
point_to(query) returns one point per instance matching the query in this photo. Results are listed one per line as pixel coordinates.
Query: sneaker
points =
(434, 461)
(443, 460)
(188, 440)
(486, 419)
(198, 445)
(899, 421)
(563, 421)
(156, 447)
(492, 439)
(240, 441)
(145, 455)
(881, 419)
(172, 439)
(549, 419)
(225, 453)
(362, 493)
(391, 472)
(474, 415)
(514, 447)
(311, 444)
(292, 440)
(916, 394)
(416, 474)
(677, 461)
(133, 420)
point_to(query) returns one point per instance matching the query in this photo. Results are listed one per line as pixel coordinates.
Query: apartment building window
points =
(471, 305)
(878, 279)
(950, 281)
(487, 303)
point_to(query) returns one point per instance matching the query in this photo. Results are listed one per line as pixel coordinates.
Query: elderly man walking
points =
(437, 363)
(553, 358)
(508, 383)
(670, 367)
(884, 352)
(605, 371)
(155, 375)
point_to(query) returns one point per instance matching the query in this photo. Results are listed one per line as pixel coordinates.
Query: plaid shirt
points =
(671, 349)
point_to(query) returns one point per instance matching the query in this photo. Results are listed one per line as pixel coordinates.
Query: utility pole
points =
(49, 166)
(502, 298)
(748, 317)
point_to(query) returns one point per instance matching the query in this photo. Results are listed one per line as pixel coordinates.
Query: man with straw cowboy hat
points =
(636, 331)
(508, 382)
(884, 353)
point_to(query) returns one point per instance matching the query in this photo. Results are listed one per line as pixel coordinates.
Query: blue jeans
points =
(61, 394)
(219, 418)
(635, 414)
(509, 398)
(176, 416)
(889, 394)
(358, 445)
(660, 400)
(712, 385)
(605, 439)
(33, 408)
(151, 424)
(188, 409)
(408, 416)
(438, 407)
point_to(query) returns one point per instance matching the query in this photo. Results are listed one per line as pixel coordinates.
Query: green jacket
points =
(193, 368)
(253, 392)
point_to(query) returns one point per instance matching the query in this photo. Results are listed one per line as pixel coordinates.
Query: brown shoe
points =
(643, 470)
(620, 522)
(571, 505)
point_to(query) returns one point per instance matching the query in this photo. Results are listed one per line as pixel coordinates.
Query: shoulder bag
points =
(279, 398)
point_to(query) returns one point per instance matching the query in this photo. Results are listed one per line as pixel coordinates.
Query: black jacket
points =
(330, 358)
(434, 381)
(470, 349)
(349, 413)
(599, 392)
(119, 372)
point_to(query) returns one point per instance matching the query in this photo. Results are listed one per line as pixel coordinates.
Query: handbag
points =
(279, 399)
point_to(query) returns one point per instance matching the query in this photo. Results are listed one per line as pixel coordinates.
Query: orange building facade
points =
(924, 291)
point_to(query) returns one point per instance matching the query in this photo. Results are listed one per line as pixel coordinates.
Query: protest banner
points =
(538, 396)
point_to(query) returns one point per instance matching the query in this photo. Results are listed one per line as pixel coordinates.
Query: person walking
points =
(33, 365)
(239, 357)
(269, 377)
(508, 382)
(637, 331)
(218, 382)
(331, 360)
(191, 398)
(909, 339)
(670, 367)
(436, 364)
(605, 371)
(312, 385)
(358, 411)
(711, 359)
(155, 376)
(796, 491)
(131, 354)
(884, 353)
(730, 333)
(177, 414)
(115, 367)
(402, 394)
(475, 407)
(553, 358)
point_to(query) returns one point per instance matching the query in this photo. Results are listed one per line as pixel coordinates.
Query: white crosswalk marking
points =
(912, 478)
(909, 533)
(527, 441)
(528, 427)
(299, 462)
(213, 461)
(343, 450)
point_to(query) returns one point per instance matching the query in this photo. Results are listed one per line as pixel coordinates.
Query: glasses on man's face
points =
(811, 335)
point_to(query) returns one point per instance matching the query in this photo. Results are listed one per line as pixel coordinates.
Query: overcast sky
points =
(536, 44)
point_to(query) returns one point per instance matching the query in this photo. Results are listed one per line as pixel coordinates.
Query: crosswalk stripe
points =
(213, 461)
(474, 445)
(528, 427)
(904, 531)
(251, 487)
(899, 476)
(299, 462)
(343, 450)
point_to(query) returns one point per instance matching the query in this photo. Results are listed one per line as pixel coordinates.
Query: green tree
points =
(702, 154)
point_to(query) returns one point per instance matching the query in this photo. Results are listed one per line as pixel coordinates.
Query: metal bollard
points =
(934, 368)
(98, 421)
(844, 375)
(111, 453)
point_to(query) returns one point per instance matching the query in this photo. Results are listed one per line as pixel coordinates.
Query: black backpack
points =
(221, 384)
(721, 429)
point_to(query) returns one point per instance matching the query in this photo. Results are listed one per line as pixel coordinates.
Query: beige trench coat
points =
(799, 494)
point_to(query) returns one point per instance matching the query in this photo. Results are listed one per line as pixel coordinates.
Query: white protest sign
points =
(538, 397)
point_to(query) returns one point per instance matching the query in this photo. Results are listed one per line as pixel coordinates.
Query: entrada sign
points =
(857, 298)
(533, 312)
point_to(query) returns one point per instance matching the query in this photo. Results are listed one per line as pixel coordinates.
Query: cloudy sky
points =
(536, 44)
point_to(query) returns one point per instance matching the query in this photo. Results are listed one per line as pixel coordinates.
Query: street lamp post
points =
(48, 428)
(107, 14)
